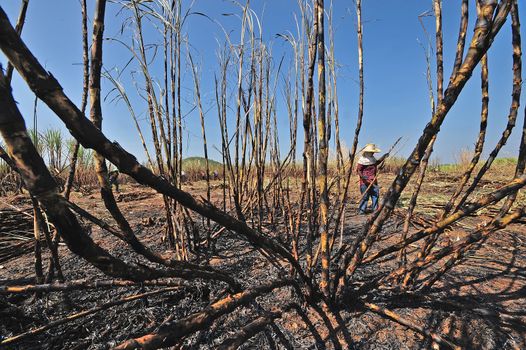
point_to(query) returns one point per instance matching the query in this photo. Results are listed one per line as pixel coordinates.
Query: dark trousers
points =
(114, 182)
(373, 193)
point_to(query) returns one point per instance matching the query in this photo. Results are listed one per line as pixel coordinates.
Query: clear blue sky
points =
(396, 95)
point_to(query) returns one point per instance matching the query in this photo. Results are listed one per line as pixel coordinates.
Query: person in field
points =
(114, 179)
(367, 170)
(184, 177)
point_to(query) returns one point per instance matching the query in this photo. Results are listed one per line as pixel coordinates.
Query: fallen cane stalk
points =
(409, 324)
(84, 284)
(253, 328)
(39, 330)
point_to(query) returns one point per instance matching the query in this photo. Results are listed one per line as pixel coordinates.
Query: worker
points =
(114, 179)
(367, 170)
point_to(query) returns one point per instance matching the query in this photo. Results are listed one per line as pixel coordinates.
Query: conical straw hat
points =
(371, 147)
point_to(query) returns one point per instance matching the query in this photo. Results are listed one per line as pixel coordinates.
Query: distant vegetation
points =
(460, 166)
(192, 163)
(195, 168)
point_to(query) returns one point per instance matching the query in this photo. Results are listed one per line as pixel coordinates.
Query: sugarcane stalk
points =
(437, 8)
(83, 103)
(19, 26)
(308, 154)
(479, 146)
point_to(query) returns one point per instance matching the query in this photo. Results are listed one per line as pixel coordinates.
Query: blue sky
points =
(396, 95)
